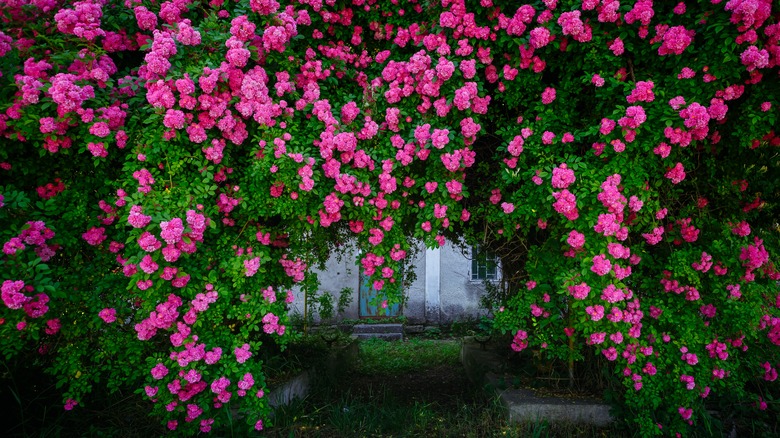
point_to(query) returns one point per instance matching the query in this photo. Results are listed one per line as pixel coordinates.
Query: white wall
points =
(459, 294)
(449, 296)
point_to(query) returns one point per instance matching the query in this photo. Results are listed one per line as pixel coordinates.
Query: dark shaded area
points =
(431, 400)
(128, 60)
(438, 401)
(31, 405)
(445, 386)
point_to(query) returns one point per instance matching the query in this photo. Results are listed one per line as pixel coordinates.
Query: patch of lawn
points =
(395, 358)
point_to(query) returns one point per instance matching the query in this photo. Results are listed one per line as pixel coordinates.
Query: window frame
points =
(476, 265)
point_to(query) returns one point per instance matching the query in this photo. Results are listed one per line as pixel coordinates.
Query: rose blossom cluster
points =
(34, 306)
(82, 21)
(35, 233)
(271, 324)
(450, 64)
(163, 317)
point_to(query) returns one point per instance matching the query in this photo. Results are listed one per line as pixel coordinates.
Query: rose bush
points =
(170, 170)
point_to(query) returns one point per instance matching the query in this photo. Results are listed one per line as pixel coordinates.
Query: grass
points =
(388, 417)
(407, 389)
(395, 389)
(394, 358)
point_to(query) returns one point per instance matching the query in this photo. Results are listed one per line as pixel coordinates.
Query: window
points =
(484, 264)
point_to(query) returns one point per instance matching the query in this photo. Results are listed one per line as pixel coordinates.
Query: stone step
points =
(523, 406)
(384, 336)
(378, 328)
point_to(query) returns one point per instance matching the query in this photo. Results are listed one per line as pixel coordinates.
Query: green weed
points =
(394, 358)
(378, 400)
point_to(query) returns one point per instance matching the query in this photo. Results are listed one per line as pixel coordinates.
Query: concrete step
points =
(378, 328)
(385, 336)
(523, 406)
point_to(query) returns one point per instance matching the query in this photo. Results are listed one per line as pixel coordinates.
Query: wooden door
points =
(366, 295)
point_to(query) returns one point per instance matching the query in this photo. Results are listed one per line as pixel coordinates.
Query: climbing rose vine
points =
(170, 171)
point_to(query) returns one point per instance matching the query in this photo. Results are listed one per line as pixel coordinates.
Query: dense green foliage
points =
(170, 170)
